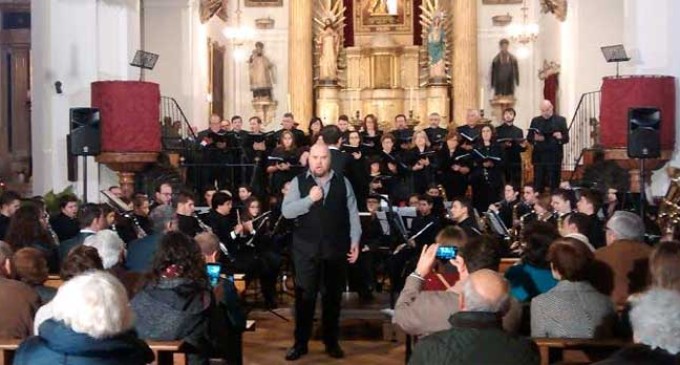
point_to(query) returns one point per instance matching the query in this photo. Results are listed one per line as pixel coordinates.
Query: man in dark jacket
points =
(476, 335)
(548, 132)
(9, 203)
(92, 220)
(332, 136)
(140, 252)
(65, 224)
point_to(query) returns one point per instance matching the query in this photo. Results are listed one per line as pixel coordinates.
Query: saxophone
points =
(669, 209)
(442, 191)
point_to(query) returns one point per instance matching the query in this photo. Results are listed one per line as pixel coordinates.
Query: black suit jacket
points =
(549, 150)
(339, 161)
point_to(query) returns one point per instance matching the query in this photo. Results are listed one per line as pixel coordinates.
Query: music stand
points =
(615, 53)
(145, 61)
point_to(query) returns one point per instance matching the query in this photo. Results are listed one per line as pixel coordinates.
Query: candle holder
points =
(413, 120)
(356, 120)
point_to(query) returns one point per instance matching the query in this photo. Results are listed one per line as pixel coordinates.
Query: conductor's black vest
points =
(324, 232)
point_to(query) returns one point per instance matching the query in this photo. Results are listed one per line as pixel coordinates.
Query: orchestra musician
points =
(464, 217)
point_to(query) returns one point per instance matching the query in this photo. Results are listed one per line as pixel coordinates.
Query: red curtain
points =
(130, 115)
(417, 27)
(349, 20)
(621, 94)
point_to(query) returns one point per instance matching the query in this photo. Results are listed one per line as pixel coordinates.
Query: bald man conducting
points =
(548, 132)
(325, 238)
(476, 335)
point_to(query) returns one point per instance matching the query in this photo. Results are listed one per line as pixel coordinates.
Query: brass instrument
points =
(669, 209)
(442, 191)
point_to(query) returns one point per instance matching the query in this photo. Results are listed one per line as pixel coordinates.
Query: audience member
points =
(621, 267)
(656, 331)
(573, 308)
(532, 276)
(29, 229)
(140, 253)
(664, 266)
(9, 203)
(476, 335)
(577, 225)
(92, 324)
(19, 301)
(420, 312)
(92, 219)
(31, 268)
(444, 274)
(177, 301)
(111, 249)
(65, 224)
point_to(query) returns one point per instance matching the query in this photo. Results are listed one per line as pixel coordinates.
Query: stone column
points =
(300, 61)
(465, 76)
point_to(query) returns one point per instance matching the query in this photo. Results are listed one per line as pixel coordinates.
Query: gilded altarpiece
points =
(384, 73)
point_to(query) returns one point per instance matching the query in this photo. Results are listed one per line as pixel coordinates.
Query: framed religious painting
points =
(394, 16)
(263, 3)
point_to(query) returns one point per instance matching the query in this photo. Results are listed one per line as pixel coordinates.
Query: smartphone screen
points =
(213, 271)
(447, 252)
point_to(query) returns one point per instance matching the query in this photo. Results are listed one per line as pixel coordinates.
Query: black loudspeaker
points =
(85, 136)
(644, 127)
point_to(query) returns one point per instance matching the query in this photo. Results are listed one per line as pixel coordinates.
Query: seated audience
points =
(16, 315)
(92, 219)
(656, 331)
(444, 274)
(29, 229)
(140, 252)
(31, 268)
(111, 249)
(573, 308)
(421, 312)
(664, 266)
(621, 267)
(80, 260)
(576, 225)
(476, 335)
(177, 301)
(532, 276)
(92, 324)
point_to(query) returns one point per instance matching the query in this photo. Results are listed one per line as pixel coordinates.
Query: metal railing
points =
(174, 123)
(584, 129)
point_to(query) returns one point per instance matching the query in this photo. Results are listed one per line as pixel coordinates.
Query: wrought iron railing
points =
(174, 122)
(584, 129)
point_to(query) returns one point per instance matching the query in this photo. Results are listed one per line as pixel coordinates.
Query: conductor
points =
(326, 237)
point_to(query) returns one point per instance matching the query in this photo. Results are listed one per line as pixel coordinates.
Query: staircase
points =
(584, 132)
(174, 123)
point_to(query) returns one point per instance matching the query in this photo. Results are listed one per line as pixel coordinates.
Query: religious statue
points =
(436, 42)
(378, 7)
(329, 46)
(504, 71)
(261, 74)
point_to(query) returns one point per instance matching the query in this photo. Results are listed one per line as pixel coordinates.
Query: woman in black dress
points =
(371, 135)
(422, 161)
(357, 169)
(487, 174)
(285, 162)
(455, 165)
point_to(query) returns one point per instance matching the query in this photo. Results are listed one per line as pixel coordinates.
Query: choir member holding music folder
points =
(470, 131)
(486, 177)
(548, 132)
(455, 165)
(284, 162)
(371, 135)
(422, 161)
(435, 133)
(512, 141)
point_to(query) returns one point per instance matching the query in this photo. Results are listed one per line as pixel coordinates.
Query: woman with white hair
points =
(111, 249)
(656, 330)
(92, 324)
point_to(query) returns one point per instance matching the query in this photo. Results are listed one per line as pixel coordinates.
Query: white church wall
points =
(76, 53)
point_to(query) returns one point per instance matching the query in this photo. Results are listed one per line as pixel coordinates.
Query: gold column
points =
(300, 61)
(465, 87)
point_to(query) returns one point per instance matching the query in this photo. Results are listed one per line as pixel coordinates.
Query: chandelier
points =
(525, 32)
(238, 33)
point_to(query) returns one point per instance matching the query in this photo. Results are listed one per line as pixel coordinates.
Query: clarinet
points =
(206, 228)
(51, 231)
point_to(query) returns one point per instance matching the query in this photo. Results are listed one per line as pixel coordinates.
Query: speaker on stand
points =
(644, 141)
(84, 138)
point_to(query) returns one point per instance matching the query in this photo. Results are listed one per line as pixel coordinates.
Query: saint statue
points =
(378, 7)
(436, 48)
(328, 42)
(261, 74)
(504, 71)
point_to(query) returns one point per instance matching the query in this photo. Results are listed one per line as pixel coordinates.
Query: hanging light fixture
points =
(238, 33)
(525, 32)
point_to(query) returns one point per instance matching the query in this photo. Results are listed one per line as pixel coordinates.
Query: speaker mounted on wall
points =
(644, 132)
(84, 138)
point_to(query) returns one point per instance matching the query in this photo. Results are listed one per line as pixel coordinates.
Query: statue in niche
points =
(261, 74)
(378, 7)
(436, 48)
(328, 42)
(504, 71)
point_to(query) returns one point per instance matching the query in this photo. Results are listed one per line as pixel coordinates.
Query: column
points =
(300, 61)
(465, 76)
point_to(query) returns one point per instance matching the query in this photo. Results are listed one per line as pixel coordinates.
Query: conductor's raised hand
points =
(316, 193)
(353, 254)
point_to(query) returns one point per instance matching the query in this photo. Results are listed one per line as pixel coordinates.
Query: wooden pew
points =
(506, 263)
(577, 351)
(54, 281)
(7, 349)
